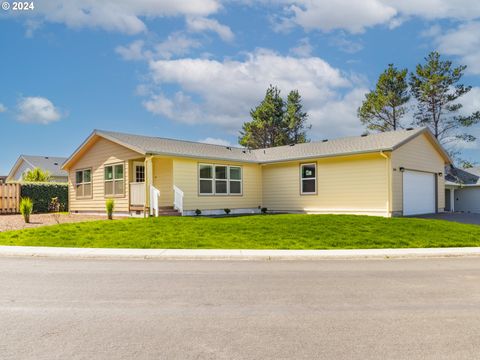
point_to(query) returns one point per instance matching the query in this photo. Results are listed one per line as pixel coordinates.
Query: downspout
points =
(387, 167)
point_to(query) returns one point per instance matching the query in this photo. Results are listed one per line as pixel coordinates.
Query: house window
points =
(139, 173)
(83, 183)
(114, 182)
(206, 179)
(220, 179)
(235, 181)
(308, 174)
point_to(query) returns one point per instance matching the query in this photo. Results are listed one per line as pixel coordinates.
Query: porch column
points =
(452, 199)
(148, 181)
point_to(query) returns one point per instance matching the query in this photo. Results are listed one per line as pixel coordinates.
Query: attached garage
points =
(419, 192)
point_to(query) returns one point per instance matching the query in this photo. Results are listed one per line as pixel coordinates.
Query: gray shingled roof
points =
(344, 146)
(469, 176)
(52, 164)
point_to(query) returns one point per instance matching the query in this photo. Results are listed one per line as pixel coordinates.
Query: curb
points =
(217, 254)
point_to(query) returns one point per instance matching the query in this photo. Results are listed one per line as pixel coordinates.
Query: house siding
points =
(418, 154)
(185, 176)
(355, 185)
(163, 180)
(102, 152)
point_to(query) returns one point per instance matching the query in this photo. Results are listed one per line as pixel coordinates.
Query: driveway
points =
(466, 218)
(354, 309)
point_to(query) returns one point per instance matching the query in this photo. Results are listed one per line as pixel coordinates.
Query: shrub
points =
(36, 175)
(264, 210)
(227, 211)
(198, 212)
(110, 206)
(26, 207)
(42, 194)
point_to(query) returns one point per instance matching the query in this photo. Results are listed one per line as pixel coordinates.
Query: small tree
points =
(435, 86)
(227, 211)
(26, 208)
(110, 206)
(36, 175)
(384, 107)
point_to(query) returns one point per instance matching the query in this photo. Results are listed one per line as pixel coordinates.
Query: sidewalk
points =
(187, 254)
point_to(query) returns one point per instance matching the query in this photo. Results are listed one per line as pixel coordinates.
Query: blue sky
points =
(193, 69)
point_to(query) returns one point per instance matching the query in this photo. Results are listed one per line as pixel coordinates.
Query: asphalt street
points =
(130, 309)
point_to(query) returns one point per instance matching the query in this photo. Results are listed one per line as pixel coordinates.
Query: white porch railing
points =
(177, 199)
(137, 194)
(154, 197)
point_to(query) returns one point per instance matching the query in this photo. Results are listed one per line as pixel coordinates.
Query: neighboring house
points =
(386, 174)
(47, 163)
(462, 190)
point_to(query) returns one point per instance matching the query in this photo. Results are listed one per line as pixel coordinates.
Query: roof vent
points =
(229, 148)
(410, 128)
(55, 163)
(46, 157)
(363, 135)
(324, 140)
(244, 151)
(292, 144)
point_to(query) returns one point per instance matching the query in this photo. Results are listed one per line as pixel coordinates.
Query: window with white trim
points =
(235, 180)
(206, 179)
(308, 178)
(114, 181)
(83, 183)
(219, 179)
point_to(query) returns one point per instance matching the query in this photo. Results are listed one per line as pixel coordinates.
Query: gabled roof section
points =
(164, 146)
(469, 176)
(387, 141)
(52, 164)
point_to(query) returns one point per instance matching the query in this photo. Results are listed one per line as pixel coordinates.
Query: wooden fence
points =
(9, 198)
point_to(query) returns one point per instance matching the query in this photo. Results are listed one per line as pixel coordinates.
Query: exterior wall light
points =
(402, 169)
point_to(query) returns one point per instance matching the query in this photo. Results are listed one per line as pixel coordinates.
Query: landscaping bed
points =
(16, 222)
(252, 232)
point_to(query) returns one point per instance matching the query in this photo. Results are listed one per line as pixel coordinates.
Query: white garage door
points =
(418, 193)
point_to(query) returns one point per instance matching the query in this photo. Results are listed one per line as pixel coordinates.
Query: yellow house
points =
(387, 174)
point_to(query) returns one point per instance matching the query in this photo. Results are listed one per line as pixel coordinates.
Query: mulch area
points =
(15, 222)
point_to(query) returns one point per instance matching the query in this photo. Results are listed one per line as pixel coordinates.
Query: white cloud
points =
(119, 15)
(133, 51)
(199, 24)
(37, 110)
(355, 16)
(464, 41)
(215, 141)
(3, 108)
(351, 15)
(342, 43)
(176, 44)
(303, 49)
(223, 92)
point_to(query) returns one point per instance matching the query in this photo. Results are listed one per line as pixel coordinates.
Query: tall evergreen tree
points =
(435, 86)
(295, 119)
(275, 123)
(384, 107)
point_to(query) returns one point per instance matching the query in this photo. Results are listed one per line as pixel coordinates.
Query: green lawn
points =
(252, 232)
